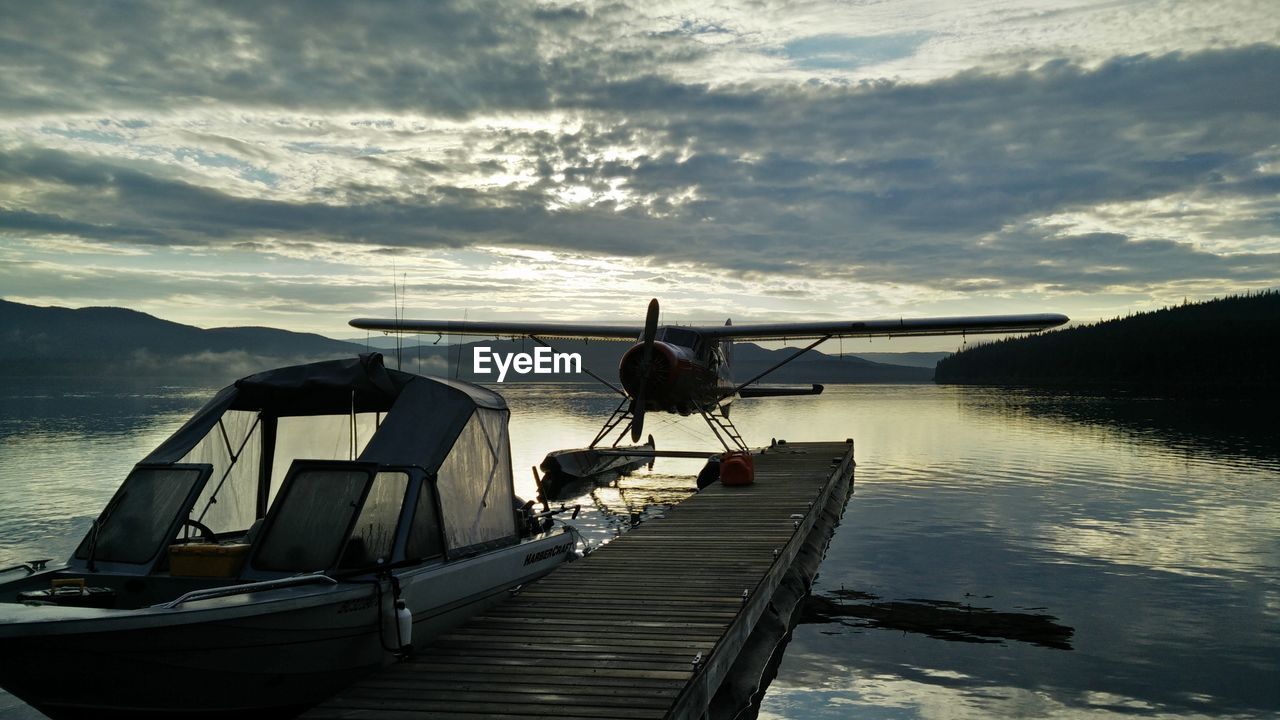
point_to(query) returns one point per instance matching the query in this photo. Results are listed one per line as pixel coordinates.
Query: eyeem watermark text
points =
(542, 362)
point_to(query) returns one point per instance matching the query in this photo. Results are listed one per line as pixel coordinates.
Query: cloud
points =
(454, 59)
(442, 57)
(724, 148)
(937, 182)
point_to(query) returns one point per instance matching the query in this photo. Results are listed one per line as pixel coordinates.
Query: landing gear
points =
(717, 419)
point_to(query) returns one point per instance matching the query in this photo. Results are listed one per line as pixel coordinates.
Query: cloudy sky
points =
(279, 164)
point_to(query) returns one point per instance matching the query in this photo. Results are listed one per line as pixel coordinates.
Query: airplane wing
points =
(884, 328)
(767, 331)
(572, 331)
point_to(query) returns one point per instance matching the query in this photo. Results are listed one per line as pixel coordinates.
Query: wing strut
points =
(621, 413)
(798, 353)
(586, 370)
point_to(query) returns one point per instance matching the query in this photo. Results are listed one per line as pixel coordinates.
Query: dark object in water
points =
(940, 619)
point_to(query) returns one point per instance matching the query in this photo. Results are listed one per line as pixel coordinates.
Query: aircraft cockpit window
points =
(682, 337)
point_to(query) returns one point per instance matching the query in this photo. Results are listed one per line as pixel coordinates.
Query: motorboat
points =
(306, 526)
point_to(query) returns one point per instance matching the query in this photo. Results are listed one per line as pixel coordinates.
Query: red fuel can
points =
(737, 468)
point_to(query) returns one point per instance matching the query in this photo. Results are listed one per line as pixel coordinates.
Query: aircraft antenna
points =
(457, 367)
(395, 310)
(404, 291)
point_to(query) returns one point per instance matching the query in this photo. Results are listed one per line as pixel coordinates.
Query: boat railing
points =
(31, 566)
(210, 593)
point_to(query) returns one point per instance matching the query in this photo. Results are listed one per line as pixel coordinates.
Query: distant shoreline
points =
(1224, 349)
(1245, 393)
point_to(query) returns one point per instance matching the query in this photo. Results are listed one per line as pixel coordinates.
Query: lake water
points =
(1005, 554)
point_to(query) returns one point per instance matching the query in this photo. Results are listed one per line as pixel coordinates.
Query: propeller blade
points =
(637, 416)
(650, 332)
(651, 322)
(646, 359)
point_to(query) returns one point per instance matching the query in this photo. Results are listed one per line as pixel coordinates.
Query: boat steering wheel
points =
(206, 534)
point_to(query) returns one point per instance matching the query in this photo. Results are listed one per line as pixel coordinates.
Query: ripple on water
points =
(983, 526)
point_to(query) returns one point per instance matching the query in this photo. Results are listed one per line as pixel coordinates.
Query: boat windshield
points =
(313, 519)
(327, 516)
(374, 537)
(143, 514)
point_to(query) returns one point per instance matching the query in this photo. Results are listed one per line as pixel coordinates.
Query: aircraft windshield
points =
(680, 336)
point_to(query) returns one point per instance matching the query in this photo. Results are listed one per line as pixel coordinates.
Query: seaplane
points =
(686, 369)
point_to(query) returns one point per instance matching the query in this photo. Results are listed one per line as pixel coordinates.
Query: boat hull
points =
(263, 655)
(208, 677)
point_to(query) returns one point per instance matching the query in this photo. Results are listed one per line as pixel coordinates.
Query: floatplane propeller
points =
(685, 369)
(646, 370)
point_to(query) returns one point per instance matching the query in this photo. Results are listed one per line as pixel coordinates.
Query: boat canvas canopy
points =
(474, 484)
(351, 409)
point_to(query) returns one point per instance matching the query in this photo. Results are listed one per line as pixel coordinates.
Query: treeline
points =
(1224, 347)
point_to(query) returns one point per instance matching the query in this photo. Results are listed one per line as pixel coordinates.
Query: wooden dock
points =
(647, 626)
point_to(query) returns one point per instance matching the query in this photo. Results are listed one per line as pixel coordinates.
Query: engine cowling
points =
(663, 374)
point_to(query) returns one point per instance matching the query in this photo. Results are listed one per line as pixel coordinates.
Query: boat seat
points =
(356, 554)
(252, 533)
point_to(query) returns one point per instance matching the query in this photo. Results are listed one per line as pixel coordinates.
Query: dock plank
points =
(615, 634)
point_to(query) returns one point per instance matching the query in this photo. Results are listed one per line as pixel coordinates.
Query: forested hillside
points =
(1219, 347)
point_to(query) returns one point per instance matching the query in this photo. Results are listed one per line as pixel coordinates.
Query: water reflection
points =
(1152, 541)
(938, 619)
(64, 448)
(80, 407)
(612, 505)
(1243, 430)
(1162, 560)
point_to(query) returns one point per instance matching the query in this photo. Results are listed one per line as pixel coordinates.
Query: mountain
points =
(750, 359)
(44, 341)
(107, 341)
(1228, 348)
(911, 359)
